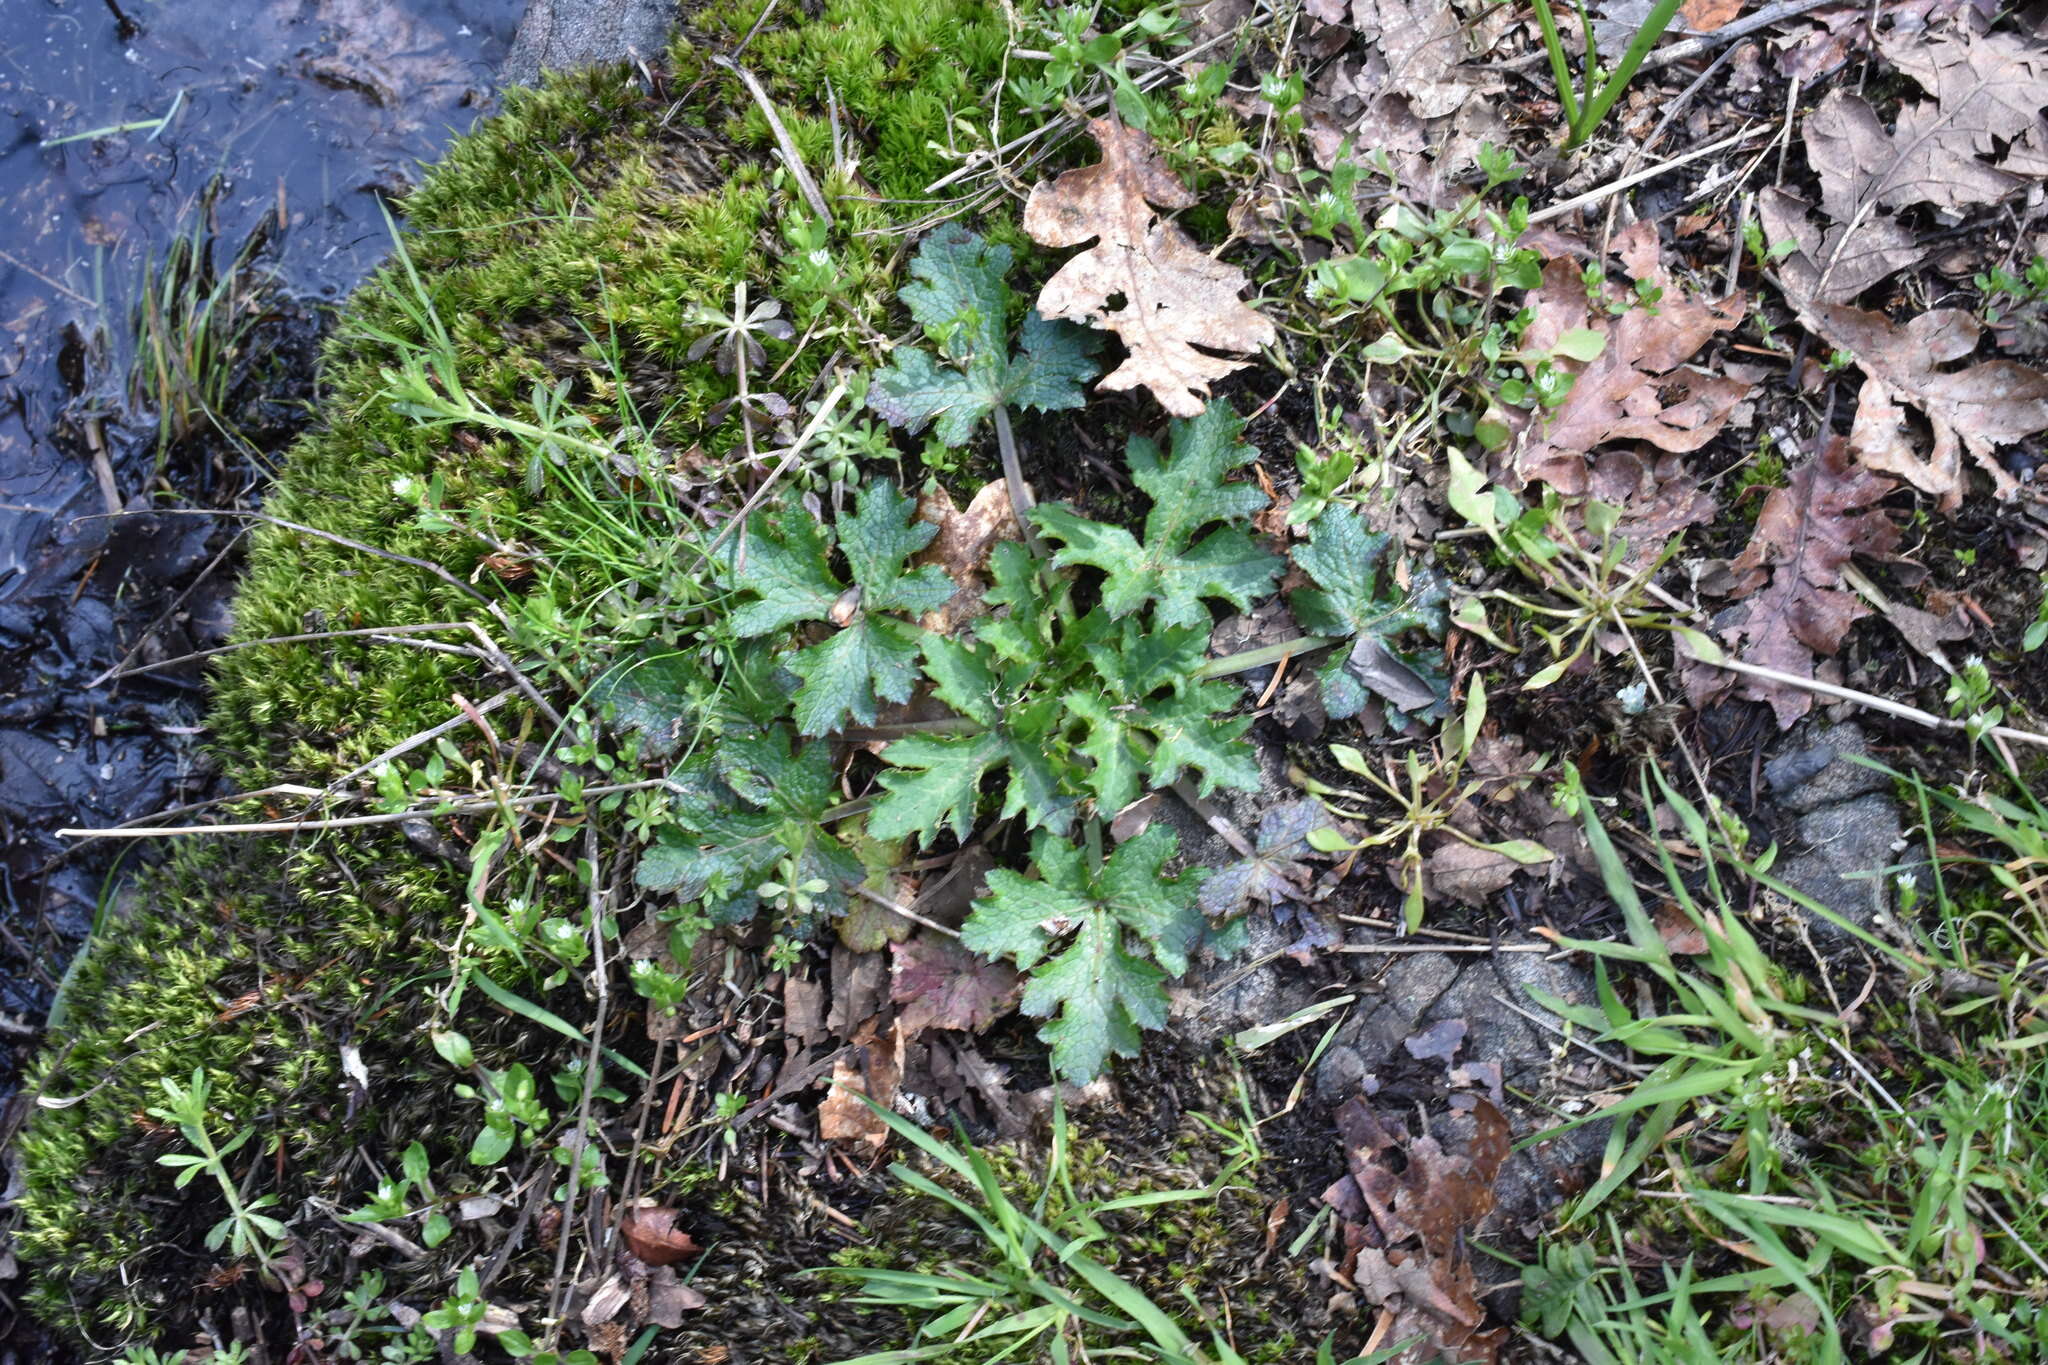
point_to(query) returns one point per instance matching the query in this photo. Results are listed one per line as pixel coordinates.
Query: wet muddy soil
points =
(251, 145)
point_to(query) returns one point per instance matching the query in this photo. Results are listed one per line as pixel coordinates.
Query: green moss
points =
(590, 209)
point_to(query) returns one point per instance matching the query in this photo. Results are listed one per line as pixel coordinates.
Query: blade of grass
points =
(1598, 104)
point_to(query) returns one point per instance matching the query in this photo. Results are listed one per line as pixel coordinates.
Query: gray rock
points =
(1395, 1010)
(1412, 992)
(1216, 999)
(1848, 828)
(1422, 989)
(1220, 998)
(1537, 1178)
(561, 35)
(1815, 767)
(1847, 847)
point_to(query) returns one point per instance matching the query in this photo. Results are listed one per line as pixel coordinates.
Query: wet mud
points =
(168, 167)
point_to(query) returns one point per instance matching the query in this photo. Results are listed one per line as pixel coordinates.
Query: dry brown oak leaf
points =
(1424, 45)
(1978, 141)
(1639, 388)
(962, 548)
(1990, 86)
(1175, 299)
(1978, 408)
(1408, 1205)
(1807, 532)
(872, 1067)
(1852, 261)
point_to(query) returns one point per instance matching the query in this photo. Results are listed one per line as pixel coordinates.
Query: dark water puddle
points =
(135, 132)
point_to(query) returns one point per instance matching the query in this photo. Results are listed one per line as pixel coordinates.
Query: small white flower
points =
(405, 487)
(1634, 697)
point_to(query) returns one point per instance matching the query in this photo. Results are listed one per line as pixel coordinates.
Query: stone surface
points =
(1815, 767)
(1847, 848)
(1219, 998)
(560, 35)
(1419, 990)
(1400, 995)
(1848, 831)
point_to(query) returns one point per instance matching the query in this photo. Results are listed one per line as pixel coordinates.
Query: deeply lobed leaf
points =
(786, 574)
(959, 297)
(1102, 942)
(1353, 599)
(1106, 710)
(1178, 565)
(740, 806)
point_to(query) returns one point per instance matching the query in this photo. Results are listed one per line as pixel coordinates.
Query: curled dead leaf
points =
(1791, 573)
(1658, 499)
(1640, 386)
(651, 1234)
(1409, 1205)
(1704, 16)
(1424, 44)
(1978, 141)
(843, 1116)
(1143, 279)
(668, 1298)
(1437, 1043)
(1976, 409)
(1459, 872)
(962, 548)
(1853, 261)
(1679, 932)
(940, 984)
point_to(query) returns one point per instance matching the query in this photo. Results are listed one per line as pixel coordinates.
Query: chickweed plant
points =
(1074, 51)
(1429, 284)
(1425, 793)
(246, 1230)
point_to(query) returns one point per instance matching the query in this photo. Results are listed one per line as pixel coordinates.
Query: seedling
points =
(246, 1231)
(960, 299)
(1324, 477)
(735, 339)
(1354, 600)
(1426, 794)
(461, 1313)
(513, 1112)
(1596, 586)
(394, 1197)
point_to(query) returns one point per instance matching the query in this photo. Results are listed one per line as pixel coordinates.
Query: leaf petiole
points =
(1013, 478)
(1246, 660)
